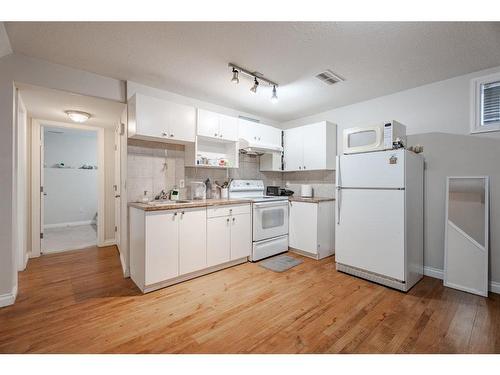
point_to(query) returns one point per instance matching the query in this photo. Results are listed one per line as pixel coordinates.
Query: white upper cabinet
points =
(310, 147)
(217, 126)
(259, 134)
(159, 120)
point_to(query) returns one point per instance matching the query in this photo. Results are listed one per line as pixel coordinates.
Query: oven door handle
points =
(270, 204)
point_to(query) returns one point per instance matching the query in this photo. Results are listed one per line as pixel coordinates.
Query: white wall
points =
(19, 68)
(71, 193)
(438, 117)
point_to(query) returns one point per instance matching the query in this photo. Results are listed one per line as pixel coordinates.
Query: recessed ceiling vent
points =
(328, 77)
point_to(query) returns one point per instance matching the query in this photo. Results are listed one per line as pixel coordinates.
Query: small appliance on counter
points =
(174, 194)
(198, 190)
(276, 191)
(306, 191)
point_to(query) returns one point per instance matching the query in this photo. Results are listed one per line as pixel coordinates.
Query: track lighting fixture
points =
(255, 85)
(274, 97)
(258, 78)
(235, 78)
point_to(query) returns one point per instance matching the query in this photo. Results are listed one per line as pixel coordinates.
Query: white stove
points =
(270, 218)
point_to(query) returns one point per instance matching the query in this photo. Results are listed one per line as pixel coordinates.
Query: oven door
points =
(270, 219)
(365, 139)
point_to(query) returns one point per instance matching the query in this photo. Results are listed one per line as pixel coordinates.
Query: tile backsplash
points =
(153, 166)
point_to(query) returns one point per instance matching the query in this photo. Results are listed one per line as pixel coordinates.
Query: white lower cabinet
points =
(312, 228)
(241, 236)
(170, 246)
(218, 240)
(229, 236)
(192, 240)
(162, 246)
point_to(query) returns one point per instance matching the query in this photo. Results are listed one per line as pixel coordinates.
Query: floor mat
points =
(280, 263)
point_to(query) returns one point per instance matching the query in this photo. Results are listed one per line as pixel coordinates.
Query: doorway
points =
(69, 213)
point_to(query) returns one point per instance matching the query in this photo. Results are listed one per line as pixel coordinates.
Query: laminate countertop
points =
(190, 204)
(310, 200)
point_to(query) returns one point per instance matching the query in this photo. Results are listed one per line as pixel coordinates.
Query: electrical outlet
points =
(181, 184)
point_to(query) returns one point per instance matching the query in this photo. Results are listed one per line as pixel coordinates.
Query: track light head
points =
(274, 97)
(235, 78)
(255, 85)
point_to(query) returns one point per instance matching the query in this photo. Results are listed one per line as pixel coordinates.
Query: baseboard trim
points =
(433, 272)
(437, 273)
(9, 298)
(107, 243)
(126, 272)
(69, 224)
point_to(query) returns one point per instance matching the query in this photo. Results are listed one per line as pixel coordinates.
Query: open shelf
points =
(212, 149)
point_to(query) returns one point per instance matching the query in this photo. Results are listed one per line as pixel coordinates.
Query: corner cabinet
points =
(155, 119)
(310, 147)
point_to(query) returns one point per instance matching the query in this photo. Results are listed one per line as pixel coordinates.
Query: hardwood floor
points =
(78, 302)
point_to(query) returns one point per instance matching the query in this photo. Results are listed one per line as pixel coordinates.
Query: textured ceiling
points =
(48, 104)
(375, 58)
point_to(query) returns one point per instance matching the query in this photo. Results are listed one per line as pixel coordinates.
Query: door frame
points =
(36, 167)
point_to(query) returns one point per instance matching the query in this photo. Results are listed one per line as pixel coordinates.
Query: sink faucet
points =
(162, 195)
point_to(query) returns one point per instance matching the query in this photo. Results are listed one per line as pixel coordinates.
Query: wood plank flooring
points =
(78, 302)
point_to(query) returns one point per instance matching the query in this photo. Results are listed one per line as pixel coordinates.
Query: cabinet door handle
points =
(215, 134)
(300, 167)
(227, 220)
(175, 214)
(172, 134)
(234, 219)
(304, 167)
(164, 134)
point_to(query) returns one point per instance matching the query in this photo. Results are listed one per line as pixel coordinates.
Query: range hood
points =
(252, 148)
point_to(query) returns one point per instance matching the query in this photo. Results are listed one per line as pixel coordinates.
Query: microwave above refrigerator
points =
(380, 137)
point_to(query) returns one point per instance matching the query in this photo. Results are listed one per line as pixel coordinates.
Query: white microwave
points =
(378, 137)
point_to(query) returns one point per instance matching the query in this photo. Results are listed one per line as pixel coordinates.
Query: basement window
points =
(486, 104)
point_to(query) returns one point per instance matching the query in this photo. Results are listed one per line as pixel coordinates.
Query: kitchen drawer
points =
(226, 210)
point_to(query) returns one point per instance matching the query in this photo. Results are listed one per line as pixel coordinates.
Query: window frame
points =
(476, 109)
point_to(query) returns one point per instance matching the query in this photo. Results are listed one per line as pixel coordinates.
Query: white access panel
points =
(370, 231)
(467, 233)
(382, 169)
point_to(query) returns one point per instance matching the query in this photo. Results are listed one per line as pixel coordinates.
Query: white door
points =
(181, 122)
(228, 128)
(303, 218)
(218, 240)
(293, 149)
(117, 184)
(42, 188)
(248, 130)
(314, 141)
(370, 231)
(192, 240)
(382, 169)
(241, 236)
(270, 135)
(162, 246)
(152, 116)
(208, 124)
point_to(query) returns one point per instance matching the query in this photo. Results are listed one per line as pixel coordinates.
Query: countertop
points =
(310, 200)
(192, 204)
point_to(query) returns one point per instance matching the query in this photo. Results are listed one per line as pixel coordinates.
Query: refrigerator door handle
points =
(339, 188)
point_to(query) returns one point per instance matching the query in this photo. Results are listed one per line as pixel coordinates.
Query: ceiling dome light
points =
(274, 97)
(78, 116)
(255, 85)
(235, 78)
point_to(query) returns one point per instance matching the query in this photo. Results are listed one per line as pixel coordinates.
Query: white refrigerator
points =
(379, 218)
